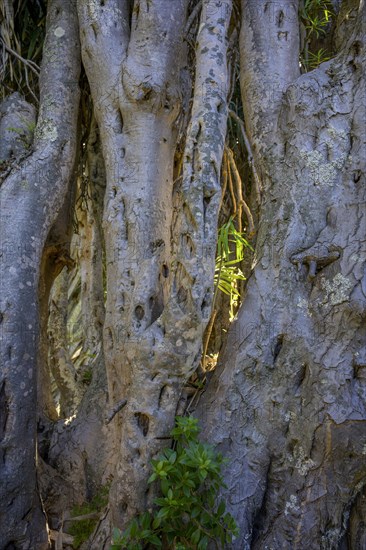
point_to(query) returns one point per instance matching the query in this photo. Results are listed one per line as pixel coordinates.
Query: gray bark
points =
(156, 308)
(31, 197)
(287, 403)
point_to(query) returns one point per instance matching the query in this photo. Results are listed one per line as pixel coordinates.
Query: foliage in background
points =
(230, 253)
(22, 32)
(188, 515)
(83, 528)
(316, 18)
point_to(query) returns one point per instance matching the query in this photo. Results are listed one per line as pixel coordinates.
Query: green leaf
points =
(173, 458)
(195, 537)
(190, 478)
(221, 508)
(145, 520)
(202, 545)
(152, 478)
(154, 539)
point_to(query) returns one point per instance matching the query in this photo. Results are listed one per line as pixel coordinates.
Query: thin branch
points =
(233, 199)
(208, 336)
(91, 515)
(258, 186)
(241, 201)
(192, 17)
(28, 62)
(224, 178)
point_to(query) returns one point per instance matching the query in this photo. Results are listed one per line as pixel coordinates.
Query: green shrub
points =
(188, 514)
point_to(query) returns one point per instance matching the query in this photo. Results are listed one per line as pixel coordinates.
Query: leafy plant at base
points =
(188, 514)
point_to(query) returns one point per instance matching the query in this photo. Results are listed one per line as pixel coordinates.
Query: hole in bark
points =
(114, 191)
(356, 175)
(10, 546)
(220, 107)
(139, 312)
(280, 18)
(187, 245)
(206, 300)
(182, 295)
(4, 411)
(357, 47)
(353, 66)
(155, 245)
(165, 271)
(206, 202)
(301, 375)
(292, 445)
(1, 317)
(123, 506)
(142, 422)
(102, 2)
(277, 347)
(156, 306)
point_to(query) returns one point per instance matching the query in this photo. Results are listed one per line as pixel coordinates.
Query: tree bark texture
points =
(31, 197)
(287, 403)
(159, 234)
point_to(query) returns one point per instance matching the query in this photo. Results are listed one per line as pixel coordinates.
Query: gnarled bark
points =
(287, 404)
(156, 308)
(31, 197)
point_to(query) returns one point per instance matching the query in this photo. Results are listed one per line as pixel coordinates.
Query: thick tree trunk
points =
(31, 197)
(287, 403)
(156, 308)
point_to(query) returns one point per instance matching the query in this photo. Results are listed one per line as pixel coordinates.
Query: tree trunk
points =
(287, 402)
(31, 197)
(157, 308)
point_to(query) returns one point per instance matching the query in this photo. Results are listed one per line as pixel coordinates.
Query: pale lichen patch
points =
(291, 505)
(59, 32)
(337, 290)
(47, 130)
(303, 464)
(321, 172)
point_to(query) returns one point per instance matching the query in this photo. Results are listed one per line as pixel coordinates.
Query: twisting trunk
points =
(159, 234)
(287, 404)
(31, 197)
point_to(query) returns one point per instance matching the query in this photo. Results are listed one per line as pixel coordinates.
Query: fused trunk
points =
(159, 233)
(287, 403)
